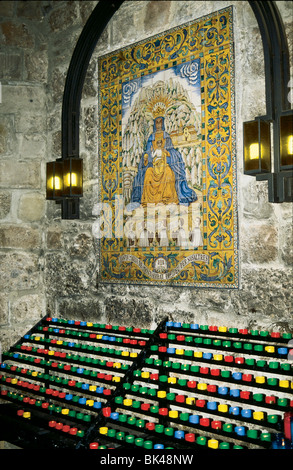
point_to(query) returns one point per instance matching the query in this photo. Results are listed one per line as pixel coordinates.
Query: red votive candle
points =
(247, 377)
(66, 428)
(275, 334)
(190, 437)
(163, 335)
(204, 422)
(213, 328)
(216, 424)
(180, 398)
(107, 391)
(150, 426)
(270, 399)
(163, 411)
(180, 338)
(245, 394)
(228, 358)
(52, 424)
(162, 348)
(94, 445)
(107, 411)
(154, 376)
(243, 331)
(200, 403)
(204, 370)
(191, 384)
(215, 372)
(212, 388)
(145, 406)
(239, 360)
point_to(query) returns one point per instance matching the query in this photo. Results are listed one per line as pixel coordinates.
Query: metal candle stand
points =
(84, 385)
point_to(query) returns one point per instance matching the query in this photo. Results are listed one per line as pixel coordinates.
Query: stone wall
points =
(49, 264)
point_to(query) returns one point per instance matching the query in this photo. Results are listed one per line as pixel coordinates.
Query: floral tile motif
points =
(167, 158)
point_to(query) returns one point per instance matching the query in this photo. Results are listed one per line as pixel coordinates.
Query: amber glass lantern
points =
(54, 180)
(72, 177)
(286, 142)
(257, 147)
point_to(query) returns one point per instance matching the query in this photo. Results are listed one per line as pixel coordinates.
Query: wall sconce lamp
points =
(268, 140)
(64, 185)
(257, 154)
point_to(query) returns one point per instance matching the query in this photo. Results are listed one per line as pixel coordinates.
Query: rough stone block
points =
(10, 66)
(265, 294)
(84, 308)
(65, 277)
(19, 98)
(255, 199)
(3, 309)
(32, 207)
(54, 238)
(128, 312)
(15, 174)
(157, 15)
(63, 17)
(15, 236)
(81, 246)
(6, 9)
(29, 9)
(30, 123)
(17, 35)
(37, 66)
(259, 243)
(30, 307)
(19, 271)
(5, 203)
(32, 146)
(7, 135)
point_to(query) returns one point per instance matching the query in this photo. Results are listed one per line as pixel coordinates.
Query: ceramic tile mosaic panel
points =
(167, 194)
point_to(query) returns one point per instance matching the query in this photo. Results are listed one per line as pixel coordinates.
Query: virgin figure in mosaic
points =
(161, 175)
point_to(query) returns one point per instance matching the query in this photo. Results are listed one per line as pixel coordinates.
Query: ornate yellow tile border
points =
(167, 195)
